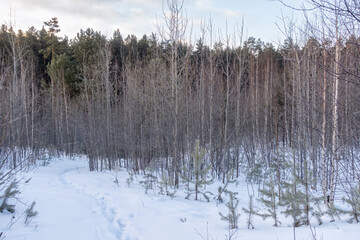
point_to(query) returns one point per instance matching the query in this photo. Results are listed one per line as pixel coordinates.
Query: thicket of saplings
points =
(294, 196)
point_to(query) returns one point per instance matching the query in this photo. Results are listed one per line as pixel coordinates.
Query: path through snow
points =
(76, 204)
(63, 212)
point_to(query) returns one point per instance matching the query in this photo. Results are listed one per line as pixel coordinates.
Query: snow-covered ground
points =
(73, 204)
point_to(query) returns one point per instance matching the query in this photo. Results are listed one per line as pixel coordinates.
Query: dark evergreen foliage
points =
(10, 192)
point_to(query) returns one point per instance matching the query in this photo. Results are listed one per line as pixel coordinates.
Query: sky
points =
(141, 17)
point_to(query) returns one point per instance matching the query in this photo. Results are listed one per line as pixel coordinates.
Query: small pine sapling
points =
(232, 217)
(197, 175)
(165, 187)
(130, 179)
(45, 159)
(306, 183)
(30, 213)
(332, 212)
(269, 197)
(9, 193)
(255, 174)
(293, 199)
(297, 197)
(149, 182)
(251, 212)
(310, 203)
(317, 211)
(352, 199)
(224, 189)
(116, 170)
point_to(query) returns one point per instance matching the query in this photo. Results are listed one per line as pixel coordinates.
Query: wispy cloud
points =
(203, 3)
(130, 16)
(230, 13)
(139, 16)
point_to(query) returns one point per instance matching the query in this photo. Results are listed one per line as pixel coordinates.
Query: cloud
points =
(87, 9)
(139, 16)
(203, 3)
(130, 16)
(230, 13)
(146, 3)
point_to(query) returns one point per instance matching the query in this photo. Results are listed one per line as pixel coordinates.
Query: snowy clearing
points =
(73, 203)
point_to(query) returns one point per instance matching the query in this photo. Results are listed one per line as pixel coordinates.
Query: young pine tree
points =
(269, 197)
(251, 212)
(317, 212)
(30, 213)
(332, 212)
(224, 189)
(298, 200)
(165, 186)
(293, 200)
(9, 193)
(232, 217)
(352, 199)
(149, 182)
(197, 176)
(130, 179)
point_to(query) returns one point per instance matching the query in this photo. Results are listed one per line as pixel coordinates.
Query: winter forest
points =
(194, 118)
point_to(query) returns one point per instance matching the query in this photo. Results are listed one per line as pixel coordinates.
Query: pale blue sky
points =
(139, 16)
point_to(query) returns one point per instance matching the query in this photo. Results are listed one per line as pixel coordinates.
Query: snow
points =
(73, 203)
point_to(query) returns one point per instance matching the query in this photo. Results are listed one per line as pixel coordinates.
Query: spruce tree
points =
(197, 176)
(232, 217)
(9, 193)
